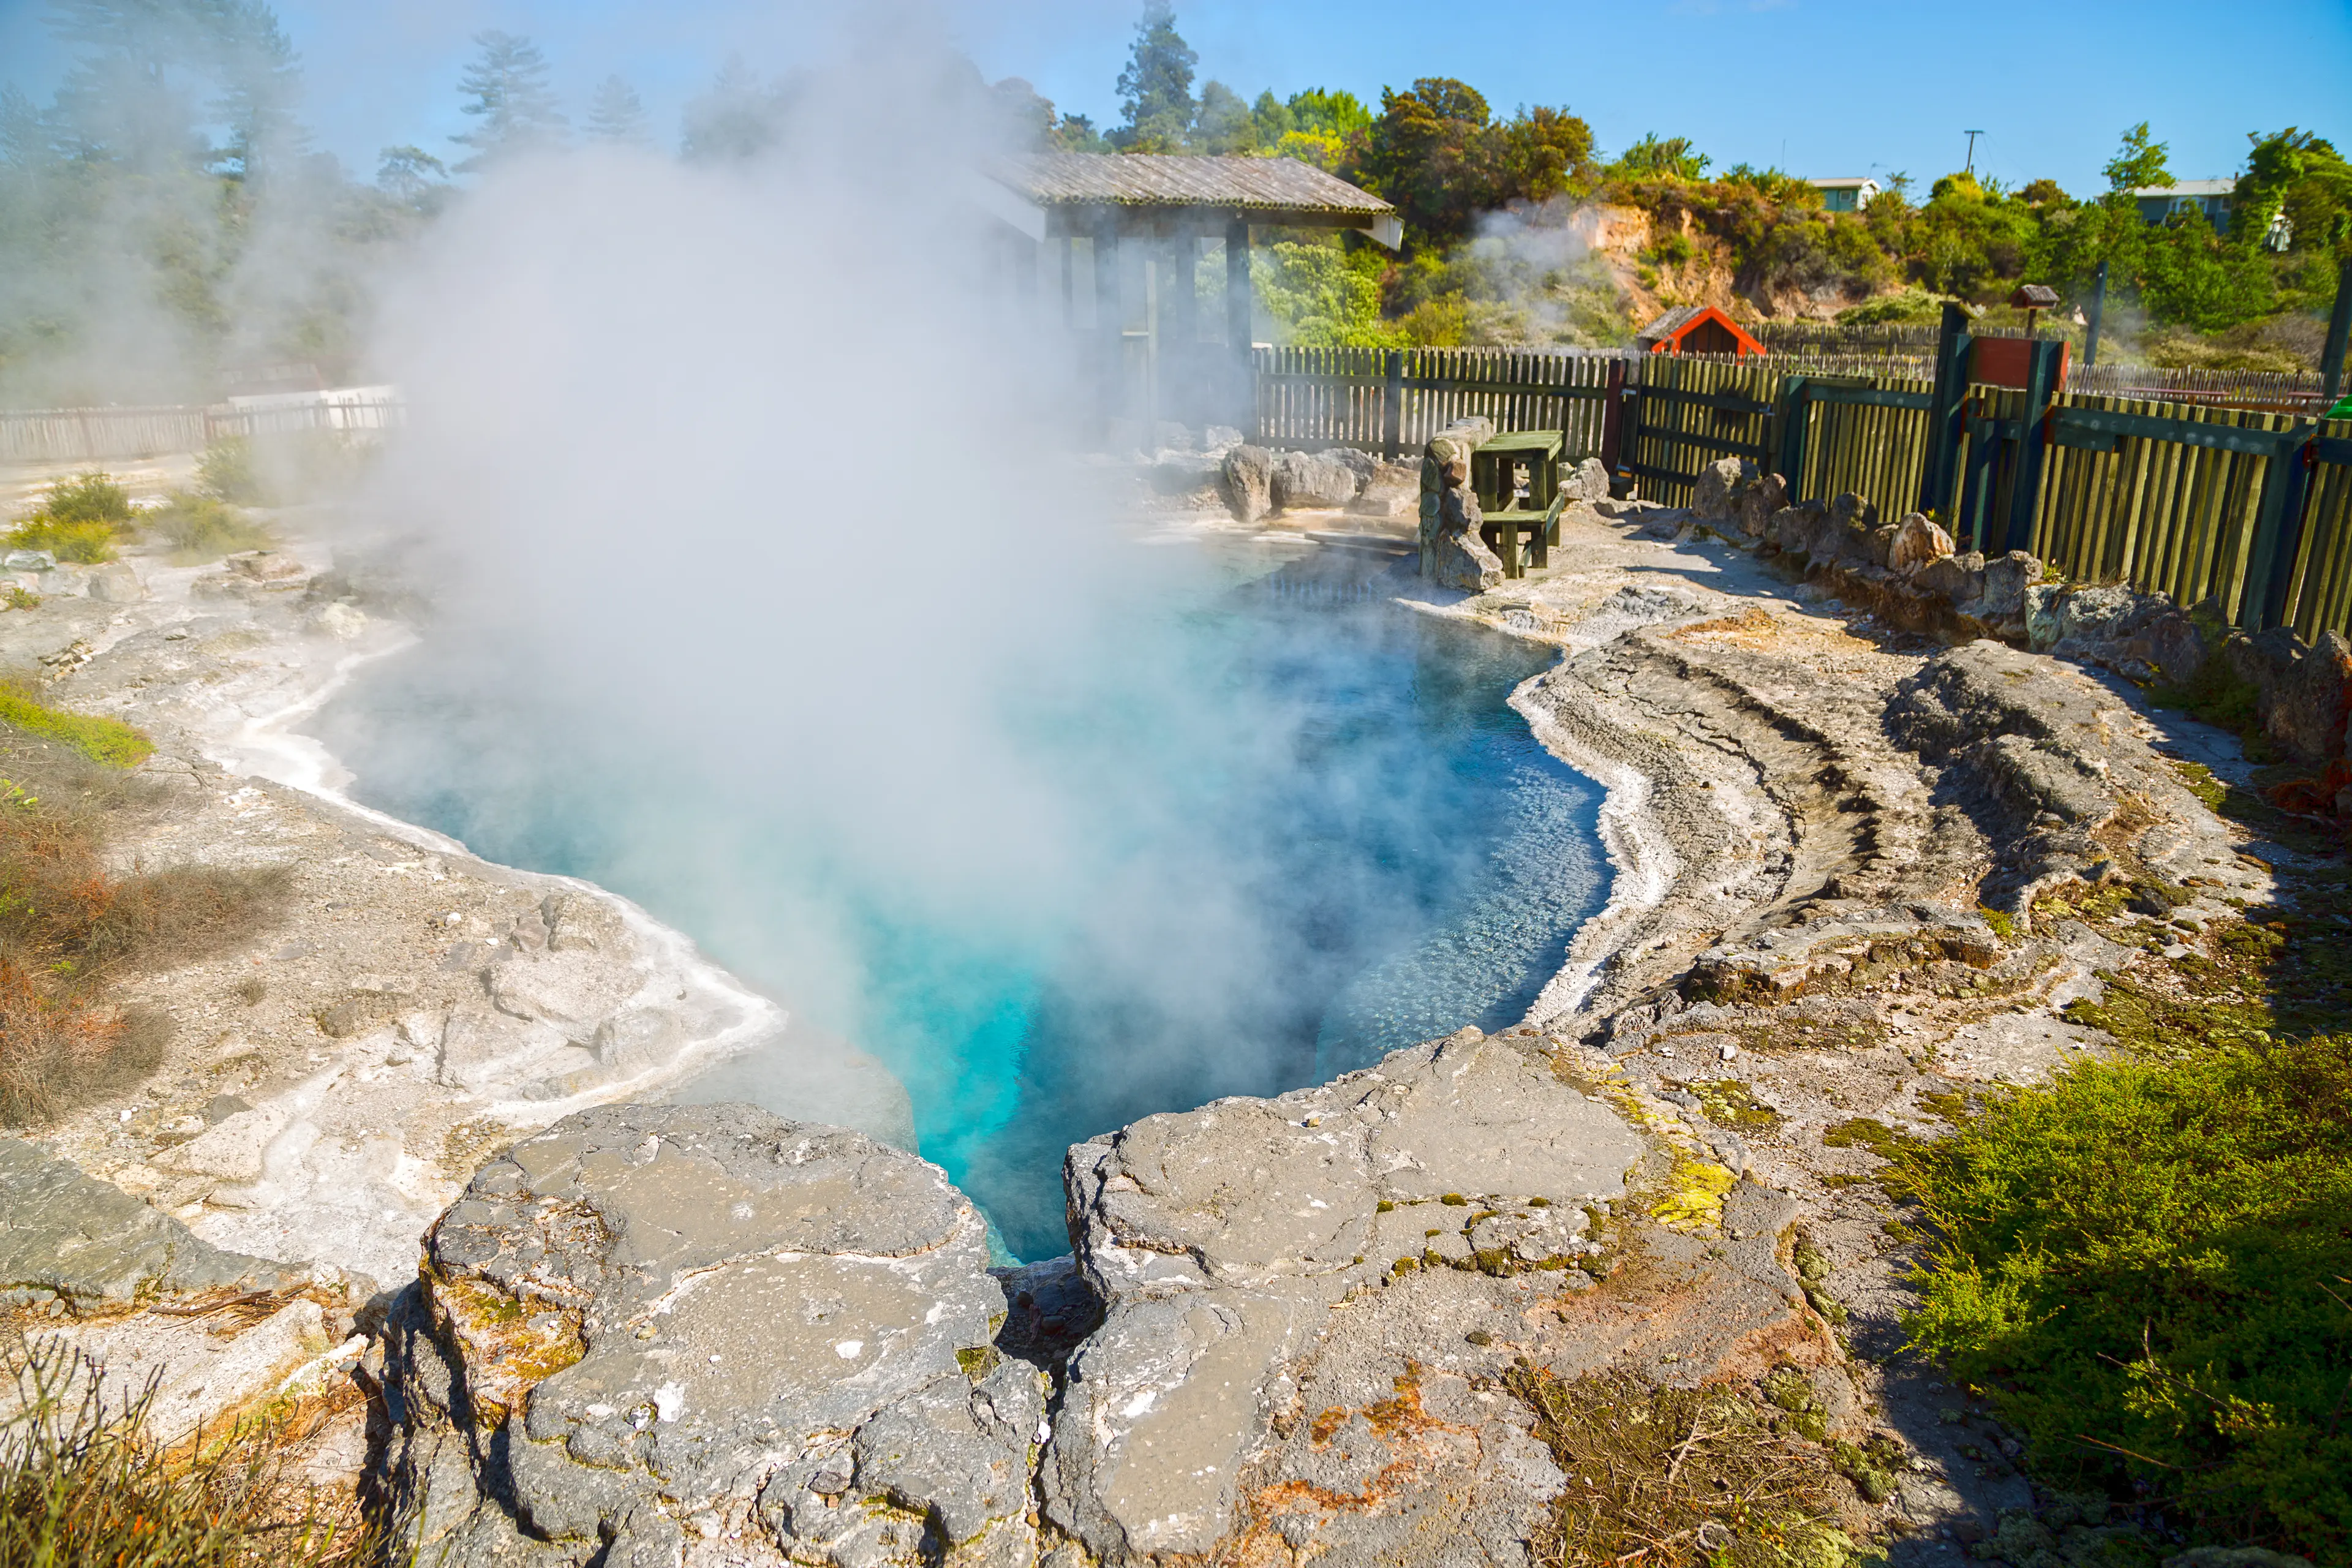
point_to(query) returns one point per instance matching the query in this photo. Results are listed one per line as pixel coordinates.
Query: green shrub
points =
(79, 521)
(202, 527)
(2146, 1261)
(227, 473)
(107, 740)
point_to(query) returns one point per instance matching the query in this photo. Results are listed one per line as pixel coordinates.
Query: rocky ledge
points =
(1859, 873)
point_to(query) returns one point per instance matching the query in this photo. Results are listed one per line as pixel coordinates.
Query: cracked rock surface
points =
(707, 1333)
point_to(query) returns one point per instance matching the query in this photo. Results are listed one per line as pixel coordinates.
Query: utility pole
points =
(1970, 167)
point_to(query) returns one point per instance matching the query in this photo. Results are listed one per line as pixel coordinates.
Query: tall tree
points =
(616, 114)
(506, 90)
(2139, 163)
(1438, 154)
(1156, 88)
(736, 117)
(1222, 123)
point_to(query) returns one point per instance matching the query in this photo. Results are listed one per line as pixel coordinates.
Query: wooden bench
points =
(1511, 473)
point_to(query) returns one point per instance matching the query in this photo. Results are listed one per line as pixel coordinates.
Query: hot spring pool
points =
(1348, 844)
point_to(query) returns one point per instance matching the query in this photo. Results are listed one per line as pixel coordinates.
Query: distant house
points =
(2214, 198)
(1845, 194)
(1696, 330)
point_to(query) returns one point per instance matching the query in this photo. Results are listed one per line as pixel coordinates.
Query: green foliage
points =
(1661, 157)
(1322, 295)
(201, 527)
(2147, 1260)
(2139, 162)
(1223, 123)
(79, 521)
(108, 741)
(506, 94)
(618, 115)
(1903, 308)
(226, 471)
(1437, 154)
(1156, 88)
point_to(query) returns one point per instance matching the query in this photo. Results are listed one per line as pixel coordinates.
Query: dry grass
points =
(1670, 1477)
(69, 926)
(83, 1483)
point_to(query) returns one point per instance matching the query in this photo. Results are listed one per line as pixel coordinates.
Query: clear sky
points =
(1819, 86)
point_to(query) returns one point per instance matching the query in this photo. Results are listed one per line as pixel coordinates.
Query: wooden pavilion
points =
(1141, 220)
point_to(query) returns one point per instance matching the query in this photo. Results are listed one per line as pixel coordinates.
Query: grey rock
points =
(1721, 485)
(1363, 465)
(1462, 560)
(1248, 482)
(28, 560)
(1758, 504)
(1220, 1240)
(1588, 481)
(654, 1313)
(92, 1243)
(116, 583)
(1955, 578)
(2002, 599)
(1303, 480)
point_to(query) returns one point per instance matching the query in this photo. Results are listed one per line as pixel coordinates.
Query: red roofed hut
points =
(1696, 330)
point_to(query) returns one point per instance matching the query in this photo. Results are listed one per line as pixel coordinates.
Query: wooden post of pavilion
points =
(1239, 314)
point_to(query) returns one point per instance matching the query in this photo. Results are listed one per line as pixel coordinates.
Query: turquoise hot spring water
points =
(1349, 843)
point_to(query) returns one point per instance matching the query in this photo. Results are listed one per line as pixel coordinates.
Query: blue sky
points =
(1819, 87)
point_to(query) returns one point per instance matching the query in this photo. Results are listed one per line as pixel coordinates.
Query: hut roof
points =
(1670, 328)
(1144, 179)
(1667, 325)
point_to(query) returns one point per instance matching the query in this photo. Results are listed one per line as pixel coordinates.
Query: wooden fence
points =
(118, 432)
(1394, 400)
(2250, 507)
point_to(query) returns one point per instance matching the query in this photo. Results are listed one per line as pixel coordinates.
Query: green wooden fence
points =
(2250, 506)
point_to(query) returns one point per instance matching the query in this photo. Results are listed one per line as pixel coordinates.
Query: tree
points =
(1669, 157)
(1077, 133)
(506, 90)
(2301, 177)
(615, 114)
(734, 117)
(1436, 153)
(1223, 123)
(2139, 164)
(1156, 88)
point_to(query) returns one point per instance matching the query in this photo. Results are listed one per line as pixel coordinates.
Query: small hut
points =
(1696, 330)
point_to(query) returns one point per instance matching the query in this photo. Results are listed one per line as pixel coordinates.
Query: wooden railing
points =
(117, 432)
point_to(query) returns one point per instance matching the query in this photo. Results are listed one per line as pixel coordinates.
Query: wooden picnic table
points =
(1516, 476)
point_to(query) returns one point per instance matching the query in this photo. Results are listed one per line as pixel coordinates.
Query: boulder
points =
(1247, 1254)
(1759, 504)
(1956, 578)
(1179, 473)
(1916, 542)
(264, 565)
(1588, 481)
(1247, 474)
(1721, 485)
(28, 560)
(1363, 465)
(1797, 529)
(116, 583)
(2001, 602)
(1311, 481)
(2300, 691)
(651, 1327)
(1463, 560)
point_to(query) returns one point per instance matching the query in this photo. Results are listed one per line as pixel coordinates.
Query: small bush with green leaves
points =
(202, 527)
(2149, 1262)
(79, 521)
(226, 472)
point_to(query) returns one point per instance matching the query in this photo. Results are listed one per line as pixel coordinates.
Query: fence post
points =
(1944, 426)
(2278, 534)
(1393, 407)
(2339, 326)
(1613, 417)
(1792, 410)
(2098, 308)
(2042, 389)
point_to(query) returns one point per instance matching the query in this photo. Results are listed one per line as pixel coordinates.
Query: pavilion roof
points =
(1145, 180)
